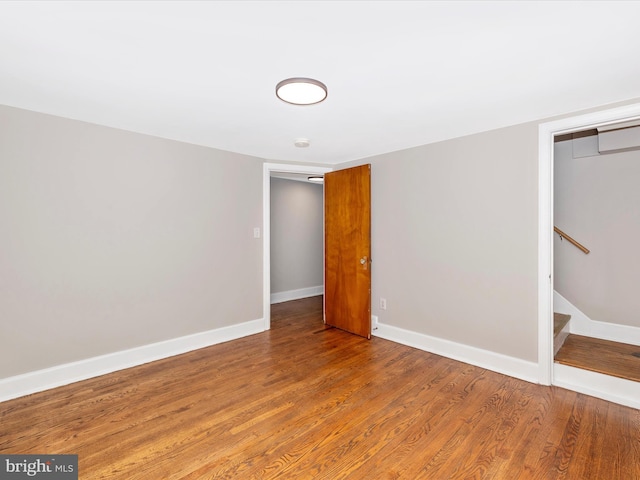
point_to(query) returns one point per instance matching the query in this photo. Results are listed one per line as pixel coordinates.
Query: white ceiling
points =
(399, 74)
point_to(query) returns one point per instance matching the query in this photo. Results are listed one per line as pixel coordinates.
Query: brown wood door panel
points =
(347, 200)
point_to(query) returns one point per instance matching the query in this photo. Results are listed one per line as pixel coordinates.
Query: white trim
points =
(546, 132)
(606, 331)
(514, 367)
(266, 225)
(580, 324)
(374, 323)
(25, 384)
(613, 389)
(288, 295)
(545, 254)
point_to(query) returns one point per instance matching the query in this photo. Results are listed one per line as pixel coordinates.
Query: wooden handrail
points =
(571, 240)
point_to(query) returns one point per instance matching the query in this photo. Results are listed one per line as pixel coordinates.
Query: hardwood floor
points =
(611, 358)
(307, 402)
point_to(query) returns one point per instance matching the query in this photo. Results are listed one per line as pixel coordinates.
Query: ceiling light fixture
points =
(301, 91)
(316, 179)
(302, 142)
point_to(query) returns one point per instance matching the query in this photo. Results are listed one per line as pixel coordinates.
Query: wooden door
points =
(347, 217)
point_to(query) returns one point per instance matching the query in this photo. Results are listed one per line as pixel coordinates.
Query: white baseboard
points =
(514, 367)
(613, 389)
(280, 297)
(374, 324)
(580, 324)
(25, 384)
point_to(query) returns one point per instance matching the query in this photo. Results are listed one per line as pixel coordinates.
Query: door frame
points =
(267, 170)
(546, 133)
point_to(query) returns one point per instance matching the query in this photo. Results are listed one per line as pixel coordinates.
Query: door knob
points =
(363, 260)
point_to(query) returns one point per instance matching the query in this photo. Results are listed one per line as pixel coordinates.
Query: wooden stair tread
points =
(559, 321)
(620, 360)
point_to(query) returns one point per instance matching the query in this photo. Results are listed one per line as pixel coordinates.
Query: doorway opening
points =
(596, 200)
(269, 170)
(602, 386)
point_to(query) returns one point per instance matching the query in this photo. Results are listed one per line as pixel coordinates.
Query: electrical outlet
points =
(383, 303)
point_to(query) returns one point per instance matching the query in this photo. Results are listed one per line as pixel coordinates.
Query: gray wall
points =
(111, 240)
(296, 235)
(597, 202)
(454, 240)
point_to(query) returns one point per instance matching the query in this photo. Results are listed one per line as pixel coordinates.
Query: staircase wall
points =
(597, 202)
(581, 324)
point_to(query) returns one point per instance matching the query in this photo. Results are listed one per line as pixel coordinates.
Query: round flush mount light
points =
(316, 179)
(301, 91)
(302, 143)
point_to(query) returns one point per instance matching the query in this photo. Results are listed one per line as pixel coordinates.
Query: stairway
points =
(560, 330)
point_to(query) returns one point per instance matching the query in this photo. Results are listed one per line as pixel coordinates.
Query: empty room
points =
(319, 240)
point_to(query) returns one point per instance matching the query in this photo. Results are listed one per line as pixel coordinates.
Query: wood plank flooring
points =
(303, 401)
(603, 356)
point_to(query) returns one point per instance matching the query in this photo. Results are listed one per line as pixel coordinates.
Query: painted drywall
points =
(296, 235)
(454, 240)
(111, 240)
(597, 202)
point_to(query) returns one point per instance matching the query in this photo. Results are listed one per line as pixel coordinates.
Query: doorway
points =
(610, 389)
(268, 170)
